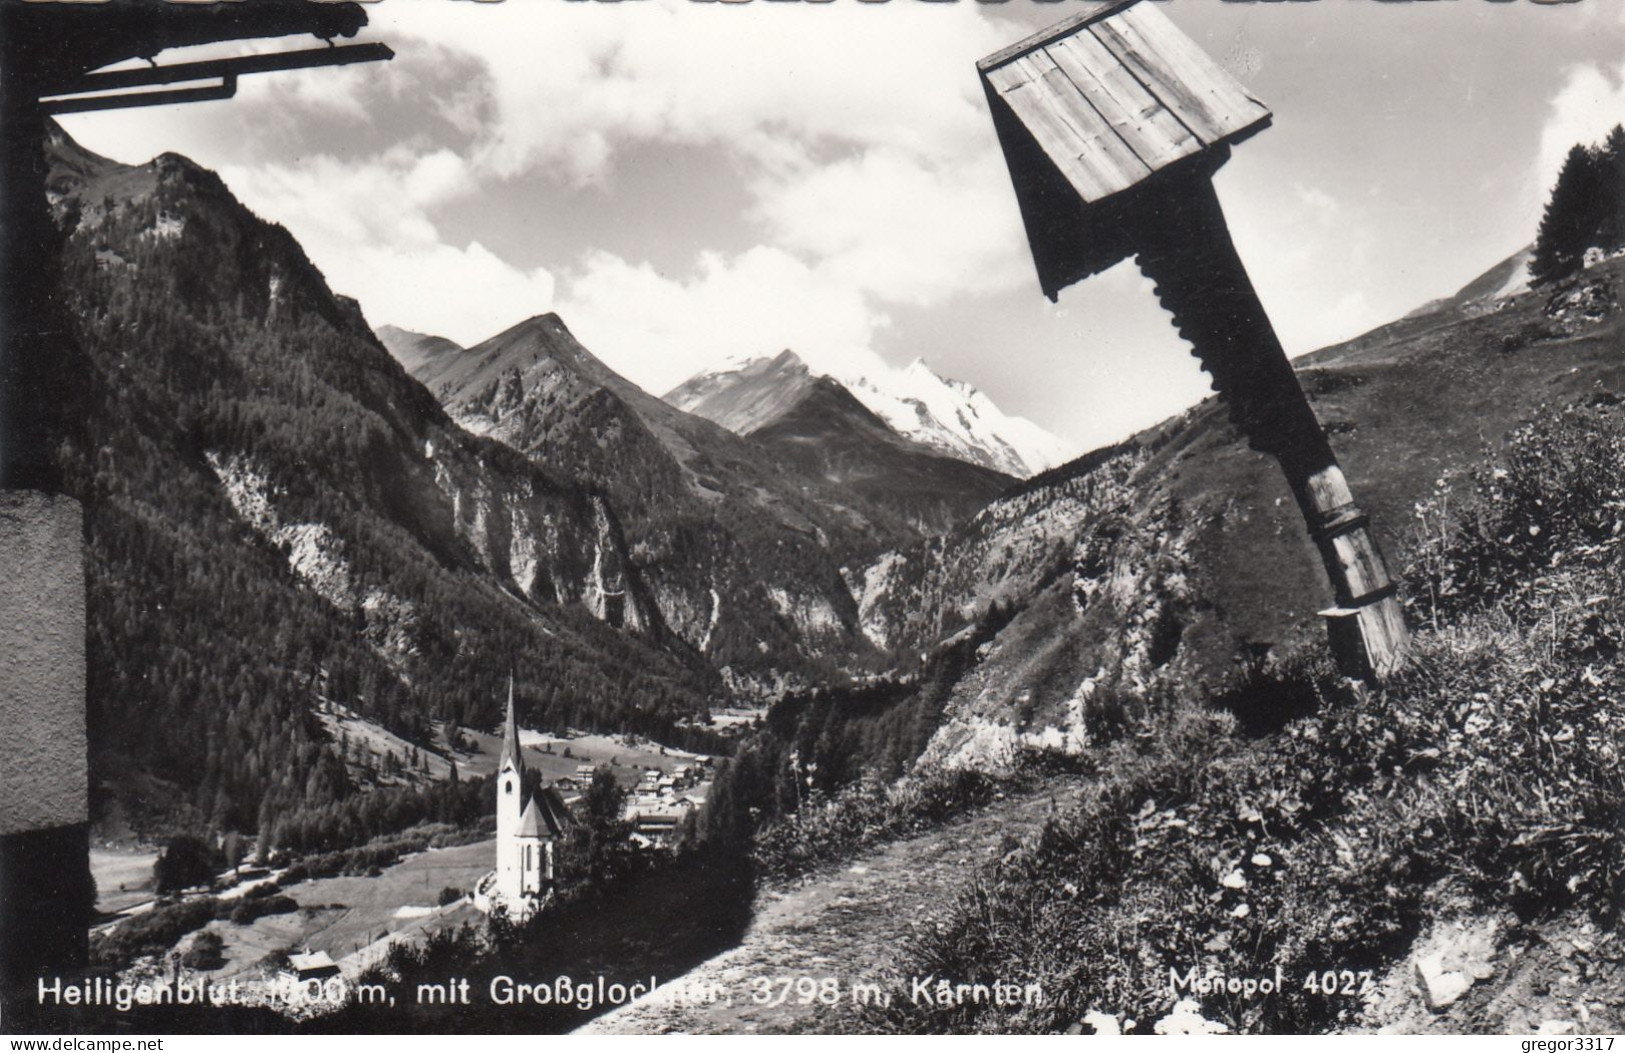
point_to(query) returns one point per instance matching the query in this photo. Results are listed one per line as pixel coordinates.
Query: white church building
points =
(528, 828)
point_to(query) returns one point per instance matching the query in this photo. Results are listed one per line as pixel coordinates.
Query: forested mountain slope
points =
(276, 511)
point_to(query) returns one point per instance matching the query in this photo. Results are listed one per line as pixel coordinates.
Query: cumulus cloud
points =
(367, 226)
(1588, 105)
(660, 330)
(573, 83)
(866, 168)
(907, 229)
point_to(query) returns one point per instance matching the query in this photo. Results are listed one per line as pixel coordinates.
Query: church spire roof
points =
(545, 816)
(510, 737)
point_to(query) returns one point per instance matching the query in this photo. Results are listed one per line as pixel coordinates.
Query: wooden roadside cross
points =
(1112, 123)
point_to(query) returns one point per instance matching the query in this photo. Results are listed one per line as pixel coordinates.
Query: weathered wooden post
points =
(1112, 123)
(49, 55)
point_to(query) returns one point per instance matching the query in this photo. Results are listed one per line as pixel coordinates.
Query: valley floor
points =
(123, 878)
(354, 919)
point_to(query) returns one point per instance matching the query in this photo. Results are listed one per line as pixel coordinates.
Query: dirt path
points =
(845, 924)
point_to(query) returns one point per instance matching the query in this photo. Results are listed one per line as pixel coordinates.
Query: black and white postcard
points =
(1093, 517)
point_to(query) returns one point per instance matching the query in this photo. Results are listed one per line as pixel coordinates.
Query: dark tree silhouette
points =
(184, 861)
(597, 846)
(1586, 209)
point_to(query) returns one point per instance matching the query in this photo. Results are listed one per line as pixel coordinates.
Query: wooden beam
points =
(212, 69)
(1094, 12)
(226, 89)
(1206, 99)
(1151, 129)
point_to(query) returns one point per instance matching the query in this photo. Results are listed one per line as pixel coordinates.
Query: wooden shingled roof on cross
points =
(1091, 111)
(1112, 123)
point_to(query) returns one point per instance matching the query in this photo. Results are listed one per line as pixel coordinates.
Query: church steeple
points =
(511, 751)
(527, 827)
(510, 808)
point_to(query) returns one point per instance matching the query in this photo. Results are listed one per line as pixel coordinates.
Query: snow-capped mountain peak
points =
(951, 416)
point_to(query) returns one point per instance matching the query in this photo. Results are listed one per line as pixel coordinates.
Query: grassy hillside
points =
(1293, 821)
(1150, 613)
(740, 554)
(1180, 557)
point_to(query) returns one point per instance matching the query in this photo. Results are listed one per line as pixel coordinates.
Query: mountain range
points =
(741, 539)
(276, 512)
(948, 416)
(282, 506)
(399, 533)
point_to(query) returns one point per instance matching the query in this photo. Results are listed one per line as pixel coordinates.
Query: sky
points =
(687, 183)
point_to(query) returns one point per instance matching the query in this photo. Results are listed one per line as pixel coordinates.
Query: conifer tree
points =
(1612, 226)
(1569, 220)
(1586, 209)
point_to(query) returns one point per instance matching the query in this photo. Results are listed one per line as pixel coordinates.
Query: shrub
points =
(154, 932)
(246, 911)
(830, 828)
(1554, 499)
(206, 952)
(184, 861)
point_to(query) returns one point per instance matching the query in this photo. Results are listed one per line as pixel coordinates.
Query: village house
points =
(310, 965)
(655, 820)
